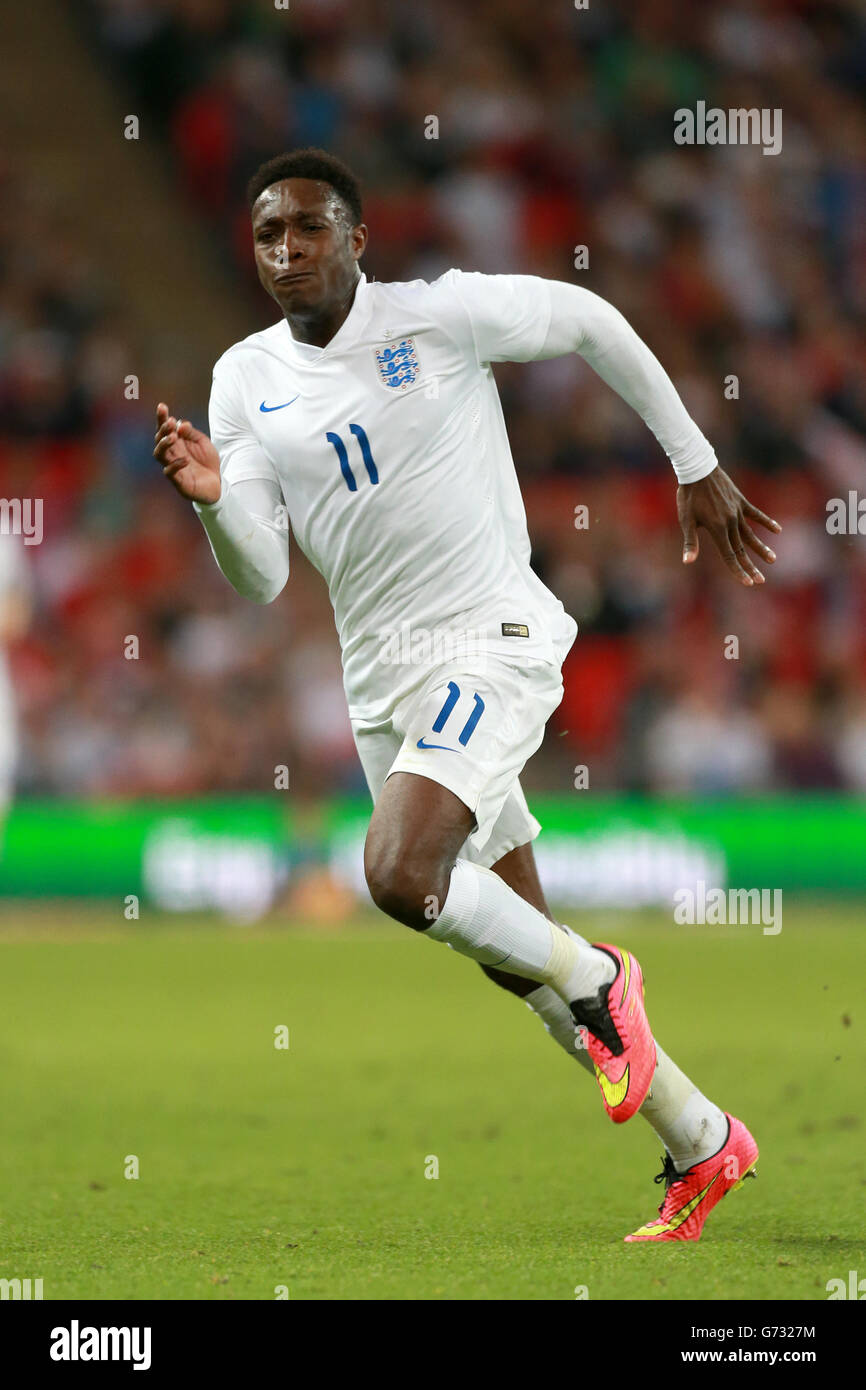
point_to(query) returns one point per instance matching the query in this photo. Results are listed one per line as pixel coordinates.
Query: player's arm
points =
(240, 505)
(520, 318)
(583, 322)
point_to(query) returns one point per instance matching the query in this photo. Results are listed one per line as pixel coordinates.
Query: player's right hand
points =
(716, 503)
(189, 459)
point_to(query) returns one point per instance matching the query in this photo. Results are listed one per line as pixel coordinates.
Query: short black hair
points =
(309, 163)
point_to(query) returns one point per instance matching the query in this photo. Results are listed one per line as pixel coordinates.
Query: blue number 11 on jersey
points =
(366, 454)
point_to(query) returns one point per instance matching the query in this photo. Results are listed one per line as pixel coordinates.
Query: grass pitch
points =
(304, 1167)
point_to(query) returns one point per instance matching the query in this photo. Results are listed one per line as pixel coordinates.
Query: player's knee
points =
(402, 887)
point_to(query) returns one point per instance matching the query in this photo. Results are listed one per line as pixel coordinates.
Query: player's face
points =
(306, 255)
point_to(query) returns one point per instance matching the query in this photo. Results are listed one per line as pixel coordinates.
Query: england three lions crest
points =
(397, 364)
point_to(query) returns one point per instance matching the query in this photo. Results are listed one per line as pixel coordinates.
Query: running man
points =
(368, 420)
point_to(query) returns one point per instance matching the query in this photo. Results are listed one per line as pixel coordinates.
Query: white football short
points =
(471, 724)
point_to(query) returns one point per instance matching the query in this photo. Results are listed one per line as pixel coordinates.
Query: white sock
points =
(690, 1126)
(485, 919)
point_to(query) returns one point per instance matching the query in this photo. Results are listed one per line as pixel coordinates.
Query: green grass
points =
(305, 1168)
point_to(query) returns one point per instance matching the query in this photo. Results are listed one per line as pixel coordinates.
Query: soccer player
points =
(368, 419)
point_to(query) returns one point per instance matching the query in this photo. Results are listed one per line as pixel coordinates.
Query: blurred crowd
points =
(553, 129)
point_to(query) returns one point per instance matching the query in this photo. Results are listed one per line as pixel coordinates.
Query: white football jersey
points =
(390, 449)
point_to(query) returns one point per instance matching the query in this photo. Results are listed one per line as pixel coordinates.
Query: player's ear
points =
(358, 236)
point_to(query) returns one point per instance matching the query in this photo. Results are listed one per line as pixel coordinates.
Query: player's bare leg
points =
(520, 871)
(416, 832)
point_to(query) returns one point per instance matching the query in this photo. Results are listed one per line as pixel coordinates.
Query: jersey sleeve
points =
(507, 315)
(241, 455)
(580, 321)
(519, 318)
(249, 535)
(248, 526)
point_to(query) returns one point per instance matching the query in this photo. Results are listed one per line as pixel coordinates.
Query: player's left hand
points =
(717, 504)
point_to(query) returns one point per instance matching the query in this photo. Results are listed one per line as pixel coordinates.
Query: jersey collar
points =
(346, 334)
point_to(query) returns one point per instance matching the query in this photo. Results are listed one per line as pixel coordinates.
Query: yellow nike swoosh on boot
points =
(682, 1215)
(614, 1092)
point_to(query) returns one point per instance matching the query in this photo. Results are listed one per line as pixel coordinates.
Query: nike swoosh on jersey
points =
(422, 744)
(268, 408)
